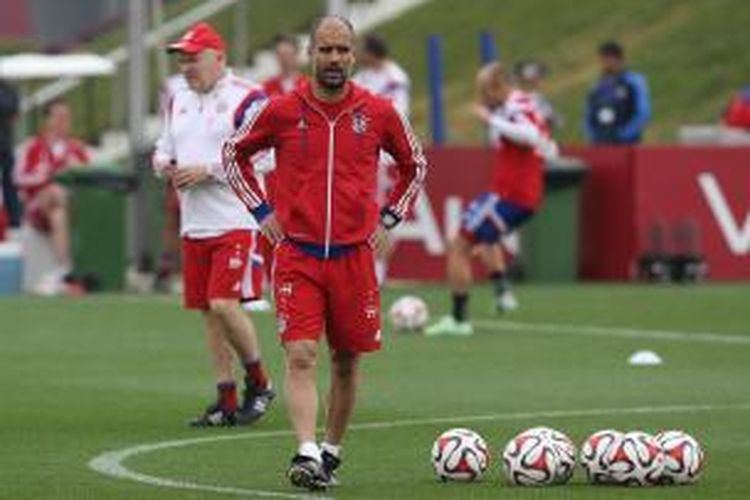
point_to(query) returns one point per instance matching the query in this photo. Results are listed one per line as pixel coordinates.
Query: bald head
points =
(330, 21)
(493, 84)
(332, 54)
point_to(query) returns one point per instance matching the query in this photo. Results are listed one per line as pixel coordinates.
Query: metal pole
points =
(435, 70)
(487, 47)
(157, 19)
(137, 223)
(487, 54)
(240, 34)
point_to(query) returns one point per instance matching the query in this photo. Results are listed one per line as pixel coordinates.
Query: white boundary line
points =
(111, 463)
(597, 331)
(614, 331)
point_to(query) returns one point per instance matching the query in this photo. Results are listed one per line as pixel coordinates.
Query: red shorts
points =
(265, 249)
(217, 268)
(252, 281)
(35, 216)
(339, 296)
(38, 220)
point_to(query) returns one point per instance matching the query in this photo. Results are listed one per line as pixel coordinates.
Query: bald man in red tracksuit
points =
(325, 202)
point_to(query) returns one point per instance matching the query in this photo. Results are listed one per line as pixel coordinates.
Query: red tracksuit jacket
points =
(326, 164)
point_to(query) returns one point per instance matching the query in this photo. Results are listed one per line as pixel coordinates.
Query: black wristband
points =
(389, 219)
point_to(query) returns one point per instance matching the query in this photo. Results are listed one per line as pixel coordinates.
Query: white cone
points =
(645, 358)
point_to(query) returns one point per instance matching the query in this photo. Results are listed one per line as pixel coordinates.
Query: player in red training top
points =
(326, 225)
(522, 142)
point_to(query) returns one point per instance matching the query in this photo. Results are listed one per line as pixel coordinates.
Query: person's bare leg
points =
(221, 355)
(239, 332)
(223, 412)
(301, 390)
(492, 257)
(343, 395)
(459, 265)
(54, 204)
(239, 329)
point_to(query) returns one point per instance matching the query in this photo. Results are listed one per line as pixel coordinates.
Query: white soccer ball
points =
(409, 313)
(566, 451)
(635, 460)
(532, 459)
(460, 455)
(683, 457)
(594, 452)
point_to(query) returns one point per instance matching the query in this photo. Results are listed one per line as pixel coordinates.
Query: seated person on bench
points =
(41, 158)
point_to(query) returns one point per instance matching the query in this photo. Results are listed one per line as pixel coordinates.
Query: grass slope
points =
(107, 372)
(691, 50)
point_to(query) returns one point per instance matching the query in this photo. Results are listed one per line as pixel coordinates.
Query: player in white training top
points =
(217, 232)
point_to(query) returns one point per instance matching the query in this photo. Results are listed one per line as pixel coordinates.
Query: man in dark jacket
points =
(618, 106)
(8, 112)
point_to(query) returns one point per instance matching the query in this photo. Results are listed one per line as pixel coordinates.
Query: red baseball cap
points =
(200, 37)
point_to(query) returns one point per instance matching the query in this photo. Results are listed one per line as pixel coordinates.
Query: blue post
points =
(435, 72)
(487, 47)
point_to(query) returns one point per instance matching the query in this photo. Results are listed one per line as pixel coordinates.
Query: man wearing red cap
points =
(202, 111)
(326, 226)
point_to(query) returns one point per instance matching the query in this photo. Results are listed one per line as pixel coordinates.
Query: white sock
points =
(309, 449)
(333, 449)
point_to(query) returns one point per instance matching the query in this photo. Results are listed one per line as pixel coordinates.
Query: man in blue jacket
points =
(8, 111)
(618, 106)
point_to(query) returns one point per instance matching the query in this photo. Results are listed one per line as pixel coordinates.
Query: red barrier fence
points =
(634, 200)
(705, 190)
(676, 199)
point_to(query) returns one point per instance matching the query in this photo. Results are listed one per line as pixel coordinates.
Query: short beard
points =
(327, 85)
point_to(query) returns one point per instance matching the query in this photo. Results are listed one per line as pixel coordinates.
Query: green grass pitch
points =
(82, 377)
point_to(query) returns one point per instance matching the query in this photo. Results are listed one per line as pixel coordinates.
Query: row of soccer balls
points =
(542, 456)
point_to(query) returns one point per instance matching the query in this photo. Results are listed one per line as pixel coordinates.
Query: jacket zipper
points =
(329, 184)
(329, 169)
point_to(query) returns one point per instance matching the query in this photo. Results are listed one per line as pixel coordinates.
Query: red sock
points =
(256, 374)
(227, 395)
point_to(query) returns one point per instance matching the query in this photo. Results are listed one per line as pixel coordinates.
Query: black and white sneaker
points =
(306, 472)
(255, 403)
(215, 416)
(330, 464)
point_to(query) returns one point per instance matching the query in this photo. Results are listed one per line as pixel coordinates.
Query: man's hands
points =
(186, 177)
(271, 229)
(380, 241)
